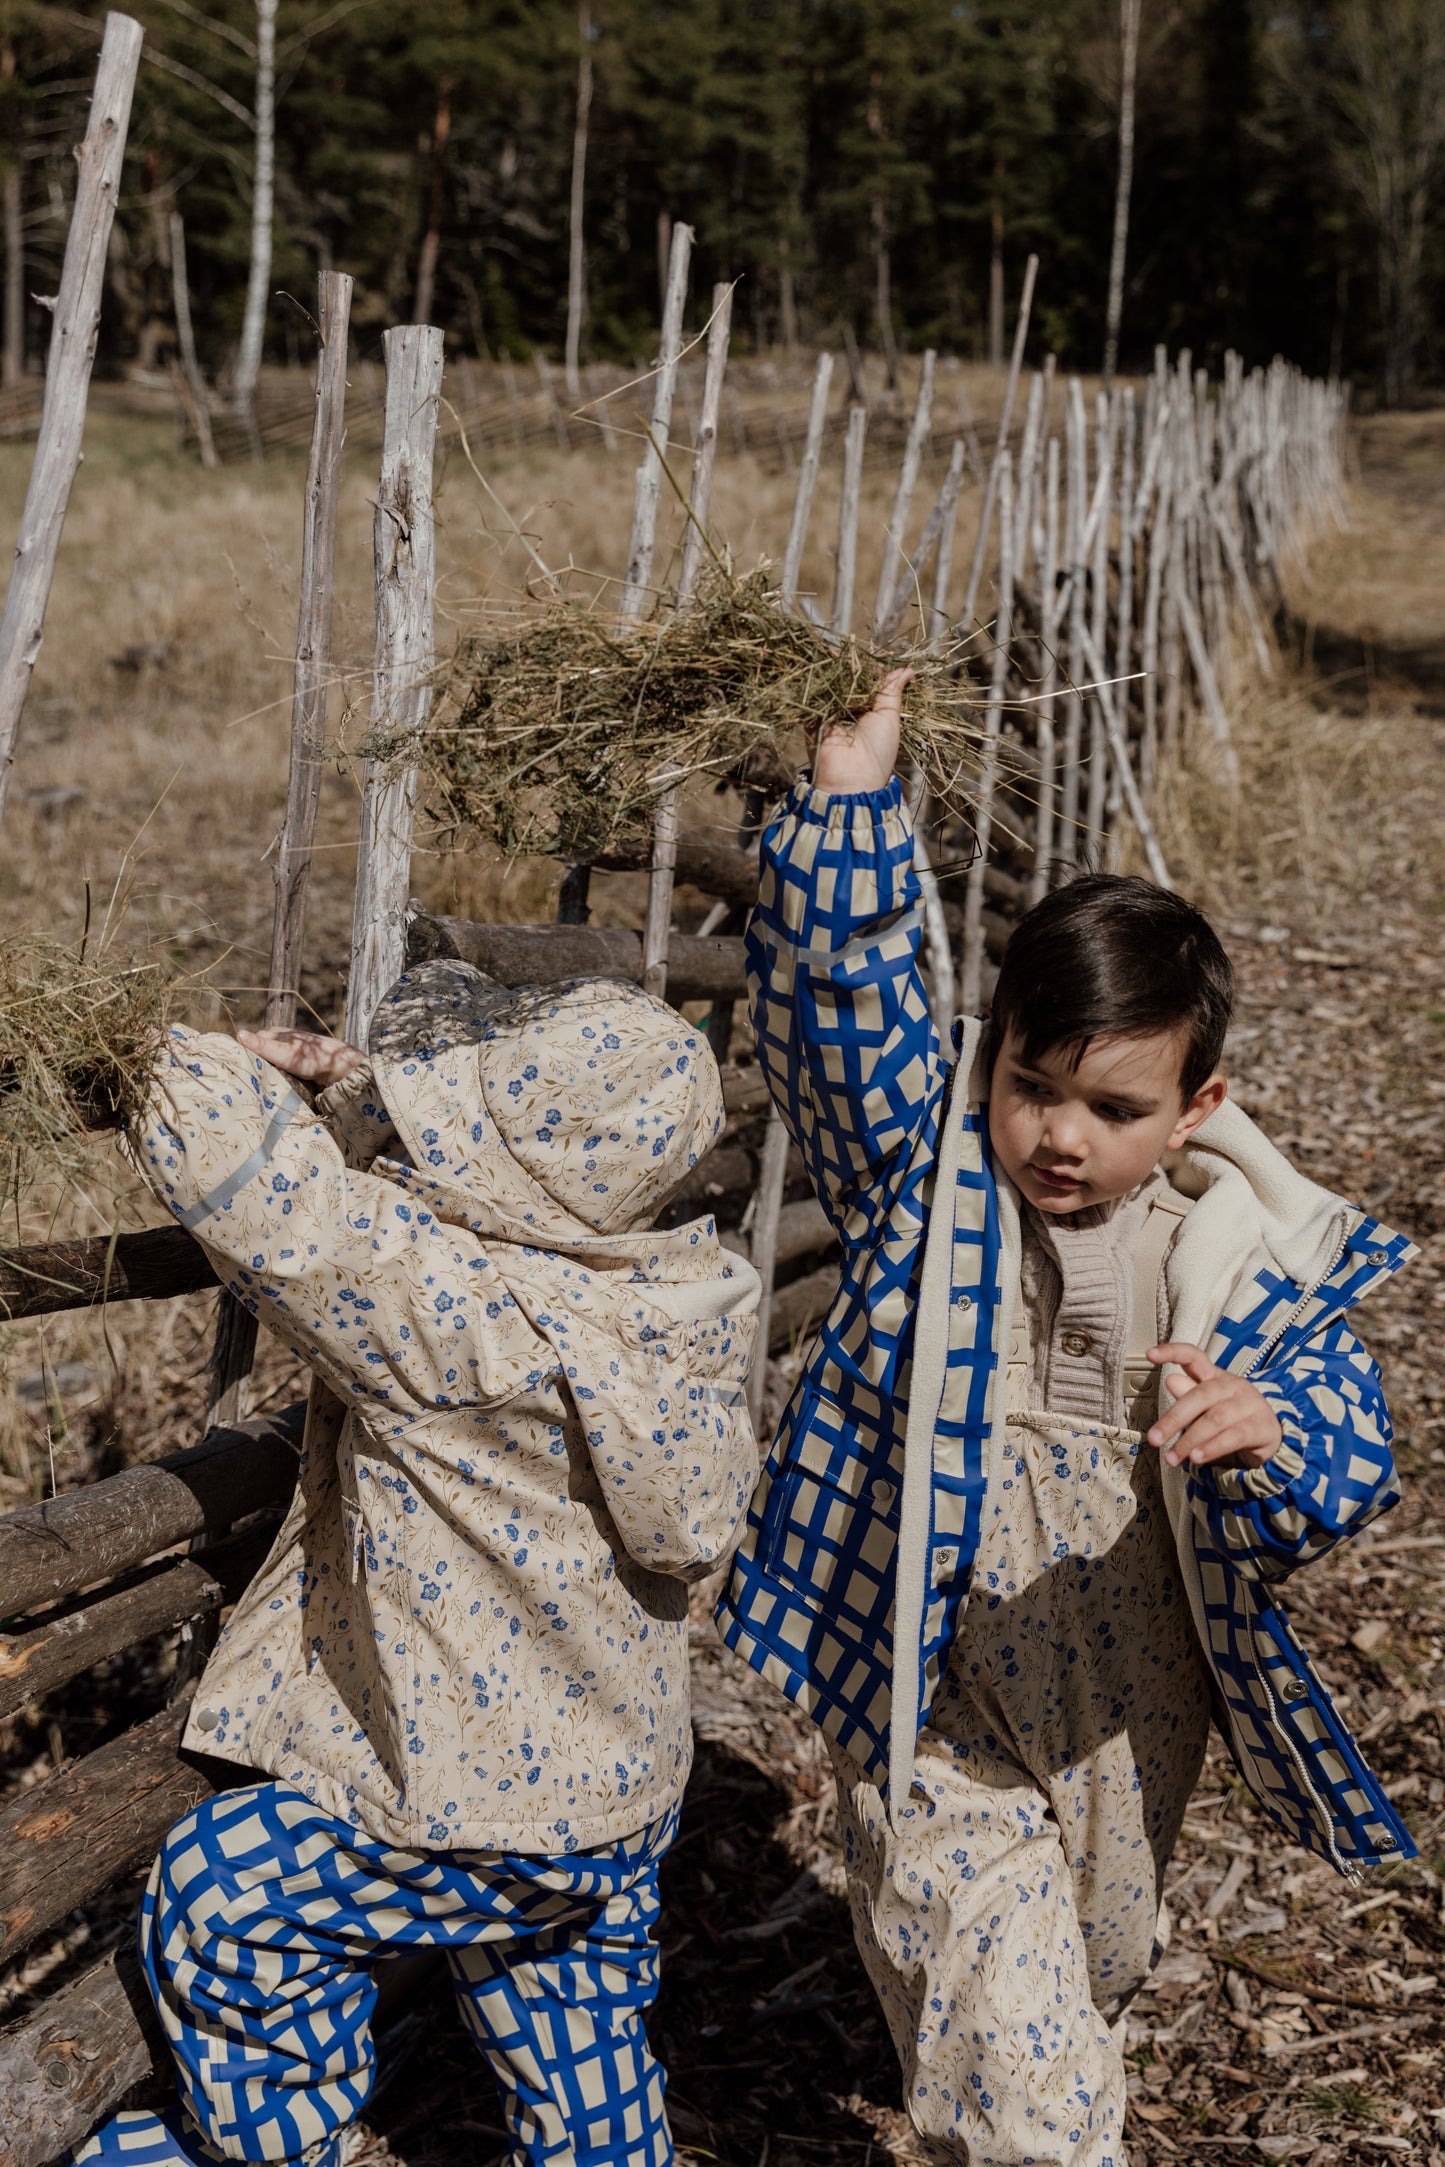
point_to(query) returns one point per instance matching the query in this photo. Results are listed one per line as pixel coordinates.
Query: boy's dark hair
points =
(1107, 957)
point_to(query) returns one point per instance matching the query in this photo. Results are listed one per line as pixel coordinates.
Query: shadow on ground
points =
(765, 2022)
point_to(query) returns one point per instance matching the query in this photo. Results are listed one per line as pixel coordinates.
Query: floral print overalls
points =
(1012, 1907)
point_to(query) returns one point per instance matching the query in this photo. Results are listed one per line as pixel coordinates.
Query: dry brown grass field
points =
(1294, 2017)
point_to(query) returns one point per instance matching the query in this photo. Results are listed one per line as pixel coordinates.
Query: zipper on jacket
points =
(1301, 1305)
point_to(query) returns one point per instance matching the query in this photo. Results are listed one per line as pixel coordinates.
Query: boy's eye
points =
(1118, 1114)
(1028, 1089)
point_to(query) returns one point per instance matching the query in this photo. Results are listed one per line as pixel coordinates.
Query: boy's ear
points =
(1207, 1100)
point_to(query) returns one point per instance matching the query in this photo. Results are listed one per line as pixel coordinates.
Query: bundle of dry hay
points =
(78, 1042)
(567, 731)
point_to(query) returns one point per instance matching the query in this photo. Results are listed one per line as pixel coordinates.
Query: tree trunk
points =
(253, 324)
(576, 255)
(426, 270)
(883, 291)
(12, 347)
(787, 298)
(186, 340)
(1129, 53)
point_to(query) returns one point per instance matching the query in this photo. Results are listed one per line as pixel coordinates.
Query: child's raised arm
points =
(838, 1003)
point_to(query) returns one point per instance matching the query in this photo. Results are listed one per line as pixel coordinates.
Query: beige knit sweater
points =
(1077, 1282)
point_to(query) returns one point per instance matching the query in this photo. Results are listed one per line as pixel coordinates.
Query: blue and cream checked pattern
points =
(844, 1036)
(261, 1922)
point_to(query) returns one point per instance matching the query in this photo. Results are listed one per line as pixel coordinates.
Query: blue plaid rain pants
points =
(259, 1927)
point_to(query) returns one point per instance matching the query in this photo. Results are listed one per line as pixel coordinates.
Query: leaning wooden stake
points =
(807, 480)
(67, 375)
(657, 930)
(637, 586)
(975, 570)
(233, 1350)
(972, 990)
(845, 568)
(401, 692)
(893, 570)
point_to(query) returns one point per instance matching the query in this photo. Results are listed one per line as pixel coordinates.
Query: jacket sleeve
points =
(1332, 1475)
(838, 1004)
(387, 1303)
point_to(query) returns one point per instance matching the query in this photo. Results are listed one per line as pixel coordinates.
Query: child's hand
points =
(862, 757)
(311, 1055)
(1221, 1418)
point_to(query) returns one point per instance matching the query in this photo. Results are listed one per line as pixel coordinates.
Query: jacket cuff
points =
(1244, 1485)
(825, 807)
(354, 1113)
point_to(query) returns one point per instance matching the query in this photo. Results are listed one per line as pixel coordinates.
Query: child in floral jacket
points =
(1009, 1574)
(458, 1689)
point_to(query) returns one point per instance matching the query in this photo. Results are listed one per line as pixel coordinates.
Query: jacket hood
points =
(576, 1111)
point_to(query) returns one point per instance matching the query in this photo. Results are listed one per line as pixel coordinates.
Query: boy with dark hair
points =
(1008, 1570)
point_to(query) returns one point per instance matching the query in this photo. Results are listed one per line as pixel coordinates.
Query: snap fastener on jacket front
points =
(1295, 1689)
(883, 1494)
(963, 1301)
(1377, 1257)
(1076, 1343)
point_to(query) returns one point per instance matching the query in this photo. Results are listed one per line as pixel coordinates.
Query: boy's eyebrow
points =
(1132, 1099)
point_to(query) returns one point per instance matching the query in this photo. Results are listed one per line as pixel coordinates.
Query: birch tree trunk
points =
(576, 255)
(12, 345)
(67, 375)
(1129, 56)
(253, 323)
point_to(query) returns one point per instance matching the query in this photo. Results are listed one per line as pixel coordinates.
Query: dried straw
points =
(567, 731)
(78, 1042)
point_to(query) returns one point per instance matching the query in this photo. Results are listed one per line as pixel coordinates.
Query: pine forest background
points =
(873, 167)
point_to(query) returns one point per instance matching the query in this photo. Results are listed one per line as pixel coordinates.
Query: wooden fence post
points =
(975, 570)
(233, 1352)
(657, 929)
(845, 563)
(972, 970)
(807, 479)
(401, 690)
(67, 375)
(637, 586)
(892, 570)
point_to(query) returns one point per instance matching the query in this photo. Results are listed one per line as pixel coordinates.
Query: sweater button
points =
(883, 1494)
(207, 1720)
(1076, 1343)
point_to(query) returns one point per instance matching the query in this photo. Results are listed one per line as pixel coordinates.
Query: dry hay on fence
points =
(78, 1043)
(569, 730)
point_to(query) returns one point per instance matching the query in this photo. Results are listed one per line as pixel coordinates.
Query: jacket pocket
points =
(830, 1524)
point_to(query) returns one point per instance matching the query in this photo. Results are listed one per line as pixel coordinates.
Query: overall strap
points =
(1166, 1211)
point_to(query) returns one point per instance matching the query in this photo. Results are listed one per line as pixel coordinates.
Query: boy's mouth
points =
(1060, 1178)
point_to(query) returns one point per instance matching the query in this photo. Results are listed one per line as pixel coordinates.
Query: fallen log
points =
(76, 2058)
(87, 1536)
(797, 1308)
(709, 969)
(717, 868)
(145, 1267)
(69, 1837)
(172, 1592)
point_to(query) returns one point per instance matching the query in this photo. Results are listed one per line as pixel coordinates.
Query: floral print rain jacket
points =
(472, 1629)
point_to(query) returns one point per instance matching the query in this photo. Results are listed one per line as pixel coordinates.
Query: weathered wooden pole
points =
(1044, 819)
(772, 1175)
(67, 375)
(233, 1349)
(1128, 60)
(637, 585)
(807, 480)
(401, 688)
(975, 570)
(892, 570)
(657, 929)
(845, 564)
(972, 967)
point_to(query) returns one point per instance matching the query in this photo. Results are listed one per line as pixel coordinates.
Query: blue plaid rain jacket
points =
(852, 1579)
